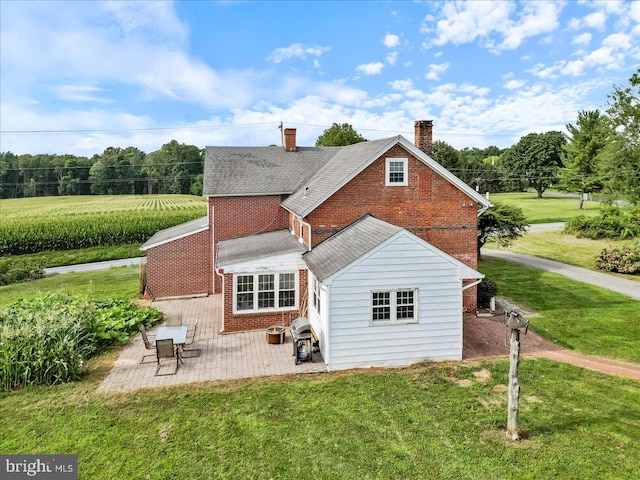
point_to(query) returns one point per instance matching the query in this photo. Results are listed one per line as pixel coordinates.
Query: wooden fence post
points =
(514, 385)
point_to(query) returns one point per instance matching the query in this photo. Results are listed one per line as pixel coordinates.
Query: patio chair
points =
(147, 345)
(174, 319)
(191, 332)
(188, 351)
(166, 351)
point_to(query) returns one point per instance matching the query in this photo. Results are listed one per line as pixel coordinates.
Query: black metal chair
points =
(166, 351)
(147, 345)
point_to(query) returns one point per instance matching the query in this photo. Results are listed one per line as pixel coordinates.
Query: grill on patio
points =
(302, 340)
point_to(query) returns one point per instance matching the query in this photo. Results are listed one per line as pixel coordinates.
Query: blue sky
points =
(77, 77)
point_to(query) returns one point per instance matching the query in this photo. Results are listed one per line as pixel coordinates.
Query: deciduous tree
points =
(537, 158)
(339, 136)
(503, 223)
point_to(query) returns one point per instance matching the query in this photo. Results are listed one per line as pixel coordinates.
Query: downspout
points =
(305, 224)
(221, 275)
(483, 209)
(222, 302)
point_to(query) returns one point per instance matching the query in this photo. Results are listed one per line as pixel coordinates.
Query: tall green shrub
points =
(611, 222)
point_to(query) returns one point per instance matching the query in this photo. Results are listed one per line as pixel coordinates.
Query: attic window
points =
(397, 173)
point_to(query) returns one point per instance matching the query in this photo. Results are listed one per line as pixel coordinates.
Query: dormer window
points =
(397, 172)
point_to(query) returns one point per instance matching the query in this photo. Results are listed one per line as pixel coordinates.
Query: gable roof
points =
(248, 171)
(255, 247)
(362, 236)
(352, 160)
(348, 245)
(174, 233)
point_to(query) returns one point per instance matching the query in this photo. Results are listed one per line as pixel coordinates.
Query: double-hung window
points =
(265, 291)
(316, 294)
(394, 306)
(397, 172)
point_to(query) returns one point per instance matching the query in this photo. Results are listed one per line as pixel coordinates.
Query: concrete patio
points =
(223, 357)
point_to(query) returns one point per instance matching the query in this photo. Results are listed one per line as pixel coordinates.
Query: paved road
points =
(88, 267)
(602, 280)
(545, 227)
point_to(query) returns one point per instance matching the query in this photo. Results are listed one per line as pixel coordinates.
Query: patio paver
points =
(223, 356)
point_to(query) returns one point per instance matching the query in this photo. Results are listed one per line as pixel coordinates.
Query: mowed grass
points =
(548, 208)
(566, 248)
(121, 282)
(59, 258)
(574, 315)
(419, 422)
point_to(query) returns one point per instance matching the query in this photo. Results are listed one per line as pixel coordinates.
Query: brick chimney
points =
(424, 135)
(290, 140)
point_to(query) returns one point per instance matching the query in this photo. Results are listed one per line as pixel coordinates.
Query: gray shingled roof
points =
(343, 166)
(255, 247)
(179, 231)
(231, 171)
(346, 246)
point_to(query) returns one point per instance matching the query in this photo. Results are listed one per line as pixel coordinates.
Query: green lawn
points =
(58, 258)
(375, 424)
(121, 282)
(577, 316)
(566, 248)
(546, 209)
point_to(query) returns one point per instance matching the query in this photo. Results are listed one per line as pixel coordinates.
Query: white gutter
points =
(472, 284)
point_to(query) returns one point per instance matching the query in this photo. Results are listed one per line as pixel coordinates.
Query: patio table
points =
(177, 332)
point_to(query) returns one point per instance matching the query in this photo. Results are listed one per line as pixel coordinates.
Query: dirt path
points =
(485, 338)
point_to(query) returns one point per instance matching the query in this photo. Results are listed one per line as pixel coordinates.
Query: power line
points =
(238, 126)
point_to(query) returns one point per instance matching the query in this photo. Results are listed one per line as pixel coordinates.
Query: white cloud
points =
(595, 20)
(296, 50)
(392, 57)
(435, 70)
(370, 68)
(391, 41)
(513, 84)
(466, 22)
(574, 68)
(618, 40)
(81, 93)
(401, 84)
(582, 39)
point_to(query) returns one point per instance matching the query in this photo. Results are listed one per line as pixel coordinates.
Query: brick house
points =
(286, 227)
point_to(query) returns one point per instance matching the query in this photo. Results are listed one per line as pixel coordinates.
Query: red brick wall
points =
(429, 207)
(234, 217)
(181, 267)
(261, 320)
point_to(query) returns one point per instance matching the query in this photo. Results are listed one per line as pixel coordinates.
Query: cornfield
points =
(47, 341)
(33, 225)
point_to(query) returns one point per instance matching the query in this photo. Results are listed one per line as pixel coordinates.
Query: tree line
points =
(175, 168)
(600, 154)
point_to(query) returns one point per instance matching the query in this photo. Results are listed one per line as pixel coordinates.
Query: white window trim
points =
(276, 281)
(315, 292)
(394, 307)
(405, 172)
